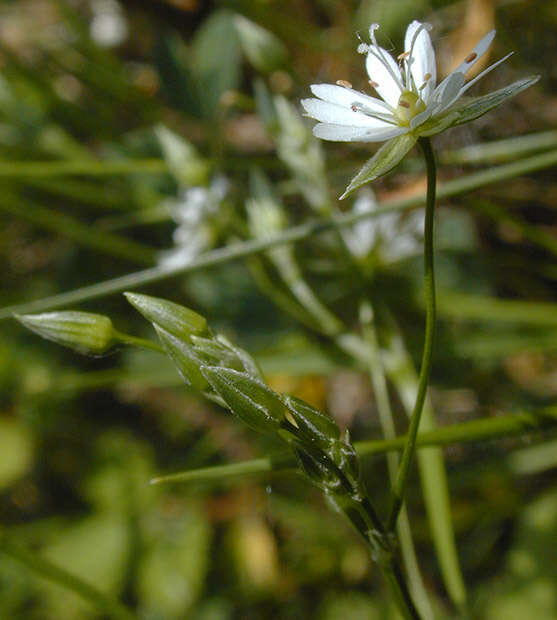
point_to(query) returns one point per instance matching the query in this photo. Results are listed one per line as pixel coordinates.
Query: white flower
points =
(411, 103)
(394, 236)
(193, 212)
(409, 95)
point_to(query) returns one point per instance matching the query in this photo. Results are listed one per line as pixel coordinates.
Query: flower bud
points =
(84, 332)
(248, 398)
(183, 356)
(173, 318)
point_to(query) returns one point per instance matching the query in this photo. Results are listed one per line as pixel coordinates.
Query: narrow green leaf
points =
(187, 362)
(249, 399)
(216, 59)
(183, 161)
(386, 158)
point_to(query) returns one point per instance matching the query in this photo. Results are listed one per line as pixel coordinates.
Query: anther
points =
(427, 77)
(373, 84)
(404, 104)
(344, 83)
(403, 56)
(471, 57)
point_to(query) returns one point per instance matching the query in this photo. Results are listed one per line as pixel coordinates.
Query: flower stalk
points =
(425, 370)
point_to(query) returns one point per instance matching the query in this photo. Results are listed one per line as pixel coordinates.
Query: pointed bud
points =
(173, 318)
(183, 356)
(249, 399)
(84, 332)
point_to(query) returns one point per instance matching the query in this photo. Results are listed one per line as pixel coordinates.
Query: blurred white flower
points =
(194, 211)
(393, 236)
(108, 27)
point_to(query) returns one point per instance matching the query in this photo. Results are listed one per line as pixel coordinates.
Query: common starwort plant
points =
(411, 108)
(411, 103)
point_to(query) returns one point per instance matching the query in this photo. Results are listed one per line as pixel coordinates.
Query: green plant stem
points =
(134, 341)
(466, 432)
(82, 168)
(429, 288)
(380, 390)
(292, 235)
(359, 511)
(63, 578)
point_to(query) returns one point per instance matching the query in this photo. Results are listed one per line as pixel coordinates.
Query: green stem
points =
(134, 341)
(63, 578)
(465, 432)
(429, 287)
(380, 390)
(82, 168)
(364, 519)
(219, 256)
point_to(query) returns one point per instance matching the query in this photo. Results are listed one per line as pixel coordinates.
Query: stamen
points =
(360, 107)
(373, 84)
(403, 56)
(427, 77)
(344, 83)
(404, 104)
(470, 58)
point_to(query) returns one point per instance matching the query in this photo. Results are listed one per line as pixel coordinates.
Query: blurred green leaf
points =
(17, 450)
(216, 59)
(263, 49)
(172, 571)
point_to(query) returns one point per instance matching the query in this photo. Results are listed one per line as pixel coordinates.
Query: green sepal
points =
(312, 423)
(344, 456)
(249, 365)
(173, 318)
(84, 332)
(320, 469)
(386, 158)
(248, 398)
(468, 109)
(219, 351)
(185, 359)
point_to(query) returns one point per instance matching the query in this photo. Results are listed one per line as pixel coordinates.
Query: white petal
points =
(347, 96)
(383, 71)
(343, 133)
(422, 59)
(338, 115)
(477, 53)
(480, 75)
